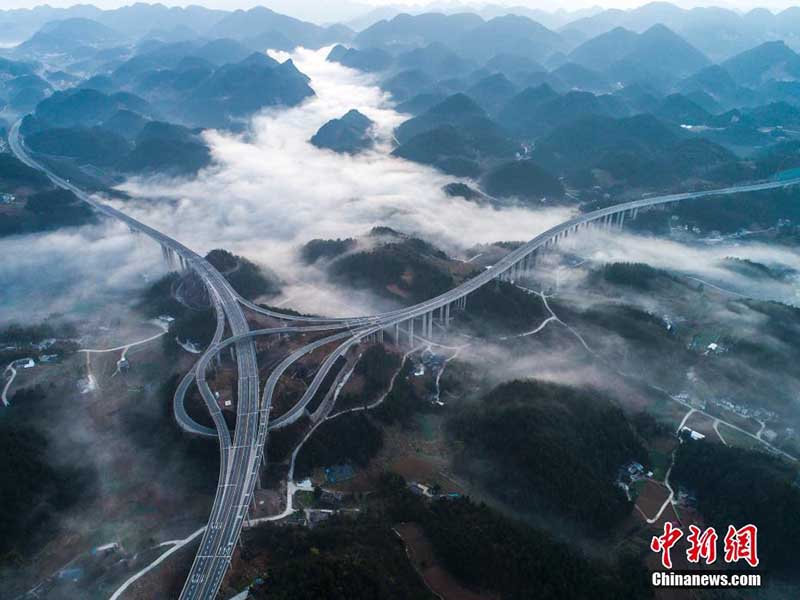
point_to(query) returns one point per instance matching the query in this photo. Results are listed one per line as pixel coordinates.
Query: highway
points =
(241, 457)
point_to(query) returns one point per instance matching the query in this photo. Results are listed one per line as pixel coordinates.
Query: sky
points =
(290, 6)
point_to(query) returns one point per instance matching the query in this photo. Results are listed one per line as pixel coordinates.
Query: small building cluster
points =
(692, 434)
(629, 474)
(431, 492)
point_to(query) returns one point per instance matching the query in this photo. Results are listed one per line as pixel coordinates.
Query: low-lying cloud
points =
(270, 191)
(73, 271)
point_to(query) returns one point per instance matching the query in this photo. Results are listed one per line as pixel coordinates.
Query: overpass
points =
(241, 458)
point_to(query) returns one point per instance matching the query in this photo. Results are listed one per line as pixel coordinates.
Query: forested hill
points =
(737, 487)
(551, 446)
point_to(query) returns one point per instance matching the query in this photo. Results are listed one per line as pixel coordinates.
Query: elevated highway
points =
(241, 457)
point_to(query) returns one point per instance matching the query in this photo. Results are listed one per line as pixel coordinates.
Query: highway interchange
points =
(242, 456)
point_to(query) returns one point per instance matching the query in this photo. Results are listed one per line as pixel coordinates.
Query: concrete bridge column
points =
(380, 336)
(397, 334)
(411, 332)
(447, 315)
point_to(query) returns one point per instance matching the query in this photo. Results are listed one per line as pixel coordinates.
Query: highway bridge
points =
(242, 456)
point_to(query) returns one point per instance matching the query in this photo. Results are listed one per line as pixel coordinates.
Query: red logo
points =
(702, 545)
(664, 543)
(740, 544)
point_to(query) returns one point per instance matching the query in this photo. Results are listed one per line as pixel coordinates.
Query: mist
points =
(74, 271)
(701, 261)
(270, 191)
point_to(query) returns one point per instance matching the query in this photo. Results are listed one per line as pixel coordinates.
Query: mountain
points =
(518, 114)
(15, 68)
(407, 84)
(549, 441)
(605, 49)
(492, 92)
(522, 179)
(126, 123)
(776, 114)
(576, 77)
(143, 20)
(436, 60)
(194, 91)
(86, 107)
(657, 56)
(165, 148)
(582, 142)
(510, 34)
(367, 60)
(526, 117)
(457, 110)
(714, 80)
(93, 145)
(420, 103)
(238, 90)
(70, 36)
(717, 32)
(221, 51)
(406, 32)
(349, 134)
(250, 25)
(769, 61)
(459, 149)
(513, 65)
(677, 108)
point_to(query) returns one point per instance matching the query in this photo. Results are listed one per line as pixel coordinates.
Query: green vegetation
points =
(736, 487)
(361, 557)
(250, 280)
(409, 265)
(755, 270)
(404, 402)
(15, 174)
(93, 145)
(729, 214)
(341, 559)
(325, 249)
(47, 210)
(15, 333)
(486, 550)
(376, 367)
(350, 134)
(159, 299)
(523, 179)
(551, 445)
(639, 276)
(351, 438)
(461, 190)
(195, 326)
(505, 307)
(190, 324)
(33, 489)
